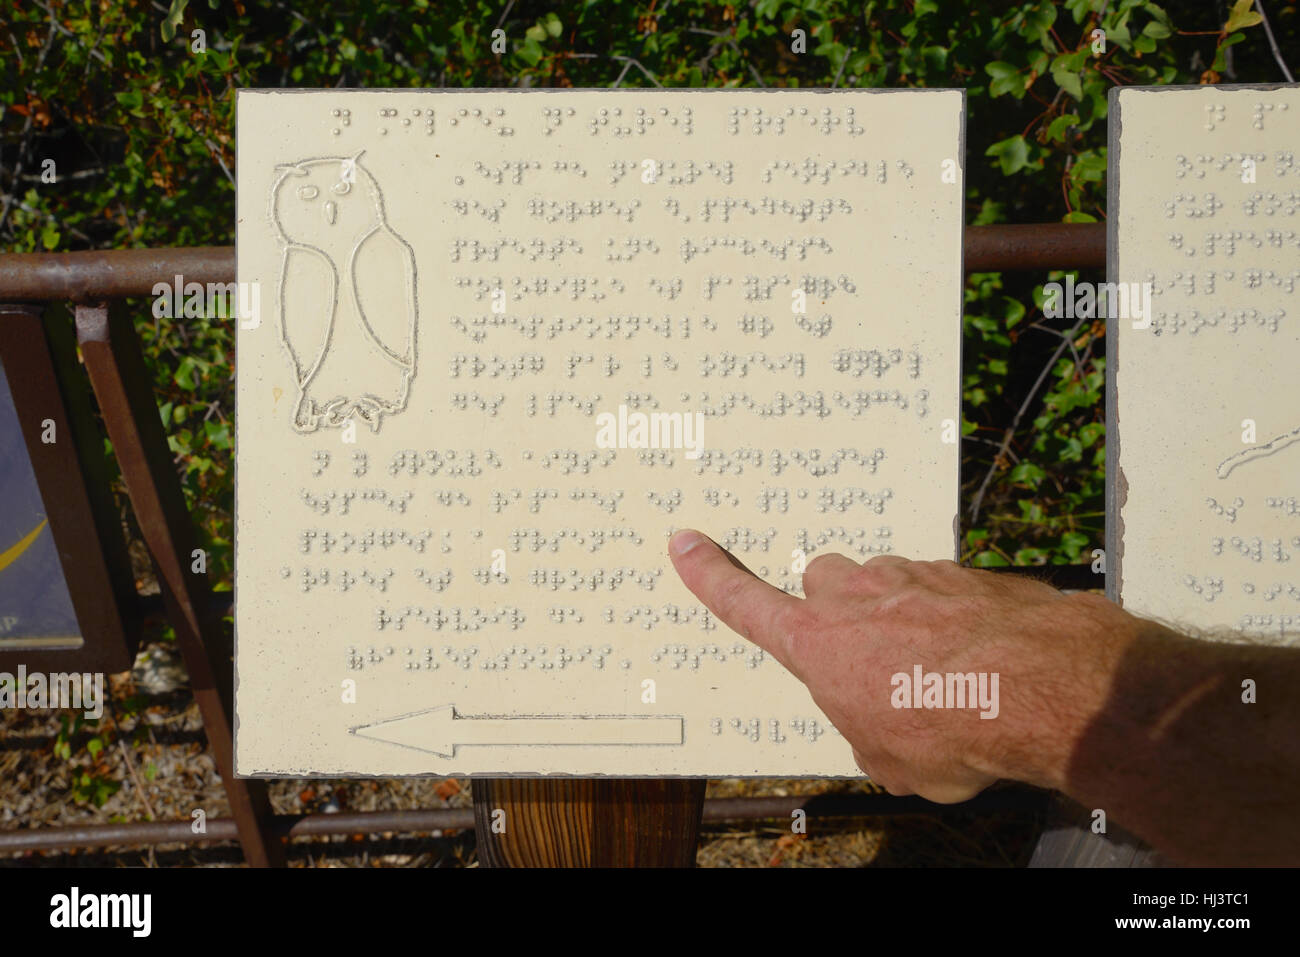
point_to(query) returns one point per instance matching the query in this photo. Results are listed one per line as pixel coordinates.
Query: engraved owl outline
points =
(346, 294)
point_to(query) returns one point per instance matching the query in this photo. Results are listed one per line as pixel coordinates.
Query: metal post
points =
(113, 359)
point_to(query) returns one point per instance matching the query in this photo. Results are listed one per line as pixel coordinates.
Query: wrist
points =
(1068, 665)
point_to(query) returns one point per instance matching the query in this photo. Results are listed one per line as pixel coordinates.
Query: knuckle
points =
(880, 572)
(795, 628)
(907, 596)
(730, 596)
(819, 562)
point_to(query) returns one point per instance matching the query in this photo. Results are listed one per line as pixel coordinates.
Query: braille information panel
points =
(1204, 393)
(498, 346)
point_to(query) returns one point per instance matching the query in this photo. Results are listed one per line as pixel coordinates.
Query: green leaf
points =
(94, 746)
(936, 59)
(1006, 78)
(1012, 154)
(218, 433)
(1037, 21)
(1072, 543)
(1118, 33)
(1156, 30)
(1221, 50)
(1241, 16)
(553, 25)
(531, 51)
(1013, 311)
(173, 19)
(1091, 432)
(184, 375)
(1089, 167)
(1028, 473)
(1072, 62)
(1056, 129)
(1031, 556)
(988, 560)
(1030, 510)
(1069, 82)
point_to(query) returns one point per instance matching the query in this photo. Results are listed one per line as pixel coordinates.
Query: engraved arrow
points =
(442, 730)
(1257, 451)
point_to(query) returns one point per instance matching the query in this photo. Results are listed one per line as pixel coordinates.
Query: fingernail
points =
(683, 541)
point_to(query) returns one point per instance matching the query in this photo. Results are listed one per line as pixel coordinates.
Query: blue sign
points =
(35, 607)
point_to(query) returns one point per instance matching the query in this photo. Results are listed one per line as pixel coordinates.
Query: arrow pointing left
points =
(442, 730)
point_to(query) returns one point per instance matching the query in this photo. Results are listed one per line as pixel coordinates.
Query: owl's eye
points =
(308, 192)
(342, 187)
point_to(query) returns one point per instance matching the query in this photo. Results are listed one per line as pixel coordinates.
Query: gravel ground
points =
(154, 762)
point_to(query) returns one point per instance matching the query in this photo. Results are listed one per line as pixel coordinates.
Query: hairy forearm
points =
(1164, 737)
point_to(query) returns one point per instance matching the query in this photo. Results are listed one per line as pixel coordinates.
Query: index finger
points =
(740, 599)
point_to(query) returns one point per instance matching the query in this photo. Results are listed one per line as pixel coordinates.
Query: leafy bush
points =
(140, 125)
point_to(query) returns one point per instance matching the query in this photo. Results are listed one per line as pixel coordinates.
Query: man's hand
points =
(860, 624)
(1193, 745)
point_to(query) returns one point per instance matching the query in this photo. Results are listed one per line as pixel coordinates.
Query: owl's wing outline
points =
(383, 289)
(309, 289)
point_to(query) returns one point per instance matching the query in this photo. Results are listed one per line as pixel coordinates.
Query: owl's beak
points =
(330, 210)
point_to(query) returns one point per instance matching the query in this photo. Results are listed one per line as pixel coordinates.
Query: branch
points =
(55, 25)
(216, 152)
(10, 198)
(1011, 431)
(504, 13)
(649, 76)
(840, 72)
(1272, 43)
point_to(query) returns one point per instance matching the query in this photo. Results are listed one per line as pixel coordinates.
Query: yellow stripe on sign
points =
(9, 556)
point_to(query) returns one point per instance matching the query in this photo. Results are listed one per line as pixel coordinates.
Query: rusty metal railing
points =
(112, 274)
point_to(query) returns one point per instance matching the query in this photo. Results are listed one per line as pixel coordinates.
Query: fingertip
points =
(684, 540)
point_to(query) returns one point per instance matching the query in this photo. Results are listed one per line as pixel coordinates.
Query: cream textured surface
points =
(458, 292)
(1209, 214)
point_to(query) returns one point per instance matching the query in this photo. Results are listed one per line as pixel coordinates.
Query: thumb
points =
(744, 602)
